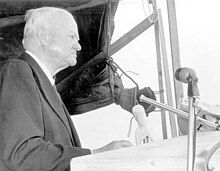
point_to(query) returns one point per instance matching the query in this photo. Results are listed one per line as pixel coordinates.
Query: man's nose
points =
(77, 46)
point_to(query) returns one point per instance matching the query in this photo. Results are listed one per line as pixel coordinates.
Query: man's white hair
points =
(40, 17)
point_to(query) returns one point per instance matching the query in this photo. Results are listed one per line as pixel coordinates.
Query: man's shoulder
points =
(14, 64)
(16, 69)
(13, 61)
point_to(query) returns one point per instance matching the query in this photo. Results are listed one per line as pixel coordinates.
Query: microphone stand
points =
(193, 94)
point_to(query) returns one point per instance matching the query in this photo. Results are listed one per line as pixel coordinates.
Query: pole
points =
(193, 94)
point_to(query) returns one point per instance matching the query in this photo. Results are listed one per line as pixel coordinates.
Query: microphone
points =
(188, 75)
(184, 74)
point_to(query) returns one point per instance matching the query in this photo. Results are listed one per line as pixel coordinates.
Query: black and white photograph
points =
(109, 85)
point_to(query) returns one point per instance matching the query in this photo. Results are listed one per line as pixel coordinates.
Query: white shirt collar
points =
(43, 67)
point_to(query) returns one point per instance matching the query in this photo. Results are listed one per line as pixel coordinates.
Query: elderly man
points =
(36, 131)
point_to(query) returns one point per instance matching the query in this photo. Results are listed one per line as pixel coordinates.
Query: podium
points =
(164, 155)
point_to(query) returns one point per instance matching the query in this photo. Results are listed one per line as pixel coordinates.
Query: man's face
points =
(63, 45)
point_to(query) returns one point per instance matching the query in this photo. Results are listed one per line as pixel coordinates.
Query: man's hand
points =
(113, 146)
(150, 94)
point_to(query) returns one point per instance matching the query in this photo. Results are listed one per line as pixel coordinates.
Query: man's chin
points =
(73, 62)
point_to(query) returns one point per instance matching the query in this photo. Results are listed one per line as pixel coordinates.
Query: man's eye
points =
(73, 37)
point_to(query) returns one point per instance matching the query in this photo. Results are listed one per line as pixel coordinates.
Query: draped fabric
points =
(96, 86)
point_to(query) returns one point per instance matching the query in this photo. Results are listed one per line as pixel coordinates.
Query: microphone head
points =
(188, 75)
(183, 74)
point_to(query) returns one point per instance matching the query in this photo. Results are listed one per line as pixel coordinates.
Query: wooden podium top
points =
(165, 155)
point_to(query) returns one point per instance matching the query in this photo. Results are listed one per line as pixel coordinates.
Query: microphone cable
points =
(209, 156)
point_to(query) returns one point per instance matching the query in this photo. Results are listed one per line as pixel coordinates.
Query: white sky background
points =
(199, 36)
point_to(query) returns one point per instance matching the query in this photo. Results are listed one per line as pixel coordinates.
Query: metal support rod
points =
(191, 141)
(193, 94)
(176, 111)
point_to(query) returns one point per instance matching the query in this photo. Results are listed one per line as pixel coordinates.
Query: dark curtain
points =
(95, 86)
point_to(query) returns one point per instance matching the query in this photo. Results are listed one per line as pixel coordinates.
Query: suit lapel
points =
(49, 91)
(73, 129)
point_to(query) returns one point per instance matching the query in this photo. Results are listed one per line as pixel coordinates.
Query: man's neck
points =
(43, 67)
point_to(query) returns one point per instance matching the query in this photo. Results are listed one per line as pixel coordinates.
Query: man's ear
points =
(42, 35)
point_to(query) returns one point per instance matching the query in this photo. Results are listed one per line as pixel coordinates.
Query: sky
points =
(198, 31)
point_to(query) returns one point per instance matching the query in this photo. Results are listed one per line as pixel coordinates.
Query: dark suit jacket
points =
(36, 131)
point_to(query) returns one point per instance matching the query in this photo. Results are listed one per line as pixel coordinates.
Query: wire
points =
(125, 73)
(152, 20)
(130, 72)
(144, 8)
(210, 154)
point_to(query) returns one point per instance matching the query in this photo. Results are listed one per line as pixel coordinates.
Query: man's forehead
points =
(67, 24)
(72, 26)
